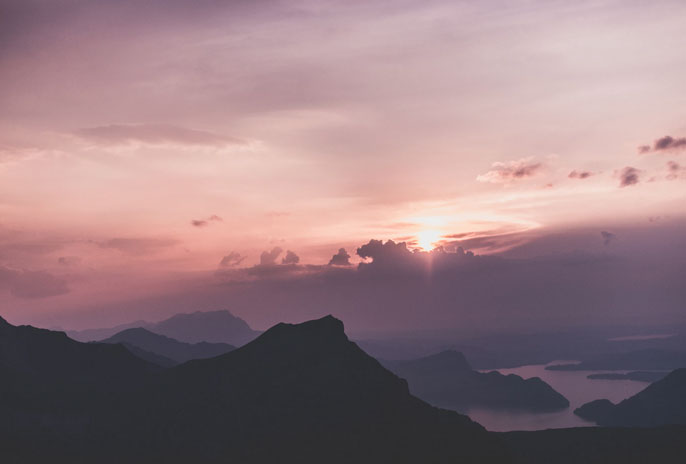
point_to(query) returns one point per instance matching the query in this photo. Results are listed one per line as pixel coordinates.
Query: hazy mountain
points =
(648, 359)
(639, 376)
(167, 347)
(209, 326)
(154, 358)
(447, 380)
(661, 403)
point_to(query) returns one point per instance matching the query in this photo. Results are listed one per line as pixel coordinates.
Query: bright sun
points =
(427, 238)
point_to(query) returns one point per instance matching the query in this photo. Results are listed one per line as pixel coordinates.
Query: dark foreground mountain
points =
(447, 380)
(661, 403)
(597, 445)
(46, 377)
(299, 393)
(200, 326)
(166, 347)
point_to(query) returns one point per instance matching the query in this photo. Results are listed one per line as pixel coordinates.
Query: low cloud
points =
(629, 176)
(154, 134)
(290, 258)
(665, 143)
(675, 170)
(68, 260)
(501, 173)
(207, 221)
(580, 174)
(137, 246)
(231, 260)
(31, 284)
(342, 258)
(608, 237)
(268, 258)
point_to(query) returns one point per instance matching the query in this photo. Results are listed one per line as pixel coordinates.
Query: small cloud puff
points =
(580, 174)
(664, 144)
(514, 170)
(290, 258)
(231, 260)
(608, 237)
(268, 258)
(629, 176)
(342, 258)
(206, 222)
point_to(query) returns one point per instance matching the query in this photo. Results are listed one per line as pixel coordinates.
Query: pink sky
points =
(313, 126)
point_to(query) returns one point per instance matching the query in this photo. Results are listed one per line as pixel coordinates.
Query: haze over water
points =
(572, 384)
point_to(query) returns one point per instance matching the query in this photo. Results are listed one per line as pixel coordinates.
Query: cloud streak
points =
(666, 143)
(511, 171)
(153, 134)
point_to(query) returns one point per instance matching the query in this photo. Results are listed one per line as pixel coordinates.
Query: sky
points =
(167, 156)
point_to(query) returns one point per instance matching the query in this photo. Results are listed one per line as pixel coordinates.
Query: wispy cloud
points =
(513, 170)
(154, 134)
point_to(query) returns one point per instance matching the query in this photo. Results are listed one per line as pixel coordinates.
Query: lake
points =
(572, 384)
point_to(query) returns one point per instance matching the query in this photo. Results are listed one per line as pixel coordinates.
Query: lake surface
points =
(572, 384)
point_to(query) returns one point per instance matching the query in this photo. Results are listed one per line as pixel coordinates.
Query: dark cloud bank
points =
(547, 285)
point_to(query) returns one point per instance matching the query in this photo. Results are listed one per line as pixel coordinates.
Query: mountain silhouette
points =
(49, 380)
(200, 326)
(447, 380)
(298, 393)
(166, 347)
(45, 353)
(661, 403)
(303, 391)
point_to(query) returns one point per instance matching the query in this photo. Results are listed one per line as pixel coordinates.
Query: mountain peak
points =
(326, 328)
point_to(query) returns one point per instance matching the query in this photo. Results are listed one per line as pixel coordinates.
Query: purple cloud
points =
(290, 258)
(513, 170)
(629, 176)
(663, 144)
(231, 260)
(580, 174)
(342, 258)
(268, 258)
(206, 222)
(608, 237)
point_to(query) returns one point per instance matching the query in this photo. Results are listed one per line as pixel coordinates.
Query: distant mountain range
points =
(200, 326)
(647, 359)
(661, 403)
(447, 380)
(638, 376)
(142, 342)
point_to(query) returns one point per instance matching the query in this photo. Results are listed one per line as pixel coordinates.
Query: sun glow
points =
(426, 239)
